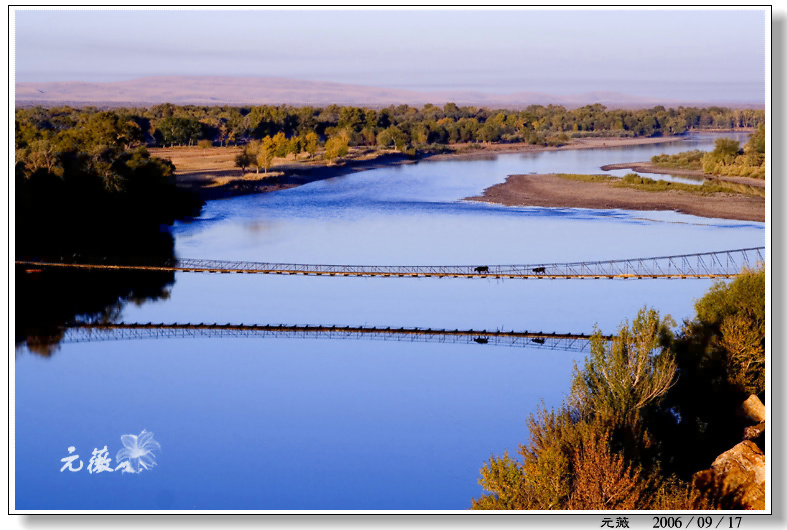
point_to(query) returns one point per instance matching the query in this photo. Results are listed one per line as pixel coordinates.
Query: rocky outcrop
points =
(756, 433)
(753, 409)
(736, 479)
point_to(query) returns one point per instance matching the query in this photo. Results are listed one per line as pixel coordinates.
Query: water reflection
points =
(683, 179)
(47, 301)
(99, 332)
(340, 424)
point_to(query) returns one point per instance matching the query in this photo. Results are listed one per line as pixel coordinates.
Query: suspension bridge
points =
(722, 264)
(93, 332)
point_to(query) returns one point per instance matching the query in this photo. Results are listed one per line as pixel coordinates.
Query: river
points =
(298, 424)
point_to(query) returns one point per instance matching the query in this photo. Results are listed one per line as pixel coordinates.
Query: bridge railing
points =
(710, 264)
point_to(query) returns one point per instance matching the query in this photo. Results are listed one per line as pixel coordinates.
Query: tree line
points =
(91, 188)
(402, 127)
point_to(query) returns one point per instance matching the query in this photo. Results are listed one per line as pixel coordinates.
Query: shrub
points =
(731, 323)
(684, 160)
(641, 421)
(578, 456)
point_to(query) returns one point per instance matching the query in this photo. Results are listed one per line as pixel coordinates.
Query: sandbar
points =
(553, 191)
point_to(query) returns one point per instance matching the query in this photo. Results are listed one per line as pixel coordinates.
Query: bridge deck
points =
(723, 264)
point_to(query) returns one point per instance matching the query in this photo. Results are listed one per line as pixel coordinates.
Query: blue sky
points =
(678, 54)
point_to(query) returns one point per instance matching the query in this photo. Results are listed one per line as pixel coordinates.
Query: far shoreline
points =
(227, 183)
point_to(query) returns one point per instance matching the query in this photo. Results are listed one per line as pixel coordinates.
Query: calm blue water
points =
(341, 424)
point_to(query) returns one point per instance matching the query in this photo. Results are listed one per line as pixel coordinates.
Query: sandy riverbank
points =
(212, 172)
(650, 167)
(556, 192)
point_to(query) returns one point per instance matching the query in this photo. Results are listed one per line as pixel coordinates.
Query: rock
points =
(736, 479)
(754, 433)
(745, 457)
(753, 409)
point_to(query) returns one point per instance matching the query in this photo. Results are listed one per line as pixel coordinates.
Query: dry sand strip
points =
(552, 191)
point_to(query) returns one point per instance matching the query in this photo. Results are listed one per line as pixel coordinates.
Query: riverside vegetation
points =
(645, 414)
(637, 182)
(727, 158)
(405, 128)
(75, 166)
(89, 192)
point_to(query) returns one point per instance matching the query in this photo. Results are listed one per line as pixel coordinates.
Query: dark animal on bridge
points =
(538, 341)
(481, 340)
(482, 268)
(540, 270)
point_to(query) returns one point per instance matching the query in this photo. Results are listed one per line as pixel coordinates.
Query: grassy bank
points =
(634, 181)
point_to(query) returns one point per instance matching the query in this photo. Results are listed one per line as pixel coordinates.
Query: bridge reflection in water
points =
(84, 332)
(723, 264)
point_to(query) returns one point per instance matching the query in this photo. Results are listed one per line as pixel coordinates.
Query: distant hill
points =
(208, 90)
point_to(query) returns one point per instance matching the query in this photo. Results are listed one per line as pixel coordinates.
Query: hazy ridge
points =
(214, 90)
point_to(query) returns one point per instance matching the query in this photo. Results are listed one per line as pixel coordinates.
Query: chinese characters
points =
(137, 455)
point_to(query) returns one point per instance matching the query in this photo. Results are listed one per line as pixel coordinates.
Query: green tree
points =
(280, 145)
(368, 137)
(621, 378)
(756, 143)
(250, 152)
(393, 135)
(726, 147)
(266, 153)
(755, 147)
(175, 130)
(312, 143)
(733, 313)
(295, 146)
(489, 132)
(336, 147)
(40, 154)
(720, 355)
(351, 118)
(243, 160)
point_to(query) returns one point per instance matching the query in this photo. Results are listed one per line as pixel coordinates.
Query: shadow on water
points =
(79, 214)
(47, 301)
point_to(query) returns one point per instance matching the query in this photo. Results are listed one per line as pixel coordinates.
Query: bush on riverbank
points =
(684, 160)
(727, 158)
(632, 180)
(637, 182)
(644, 414)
